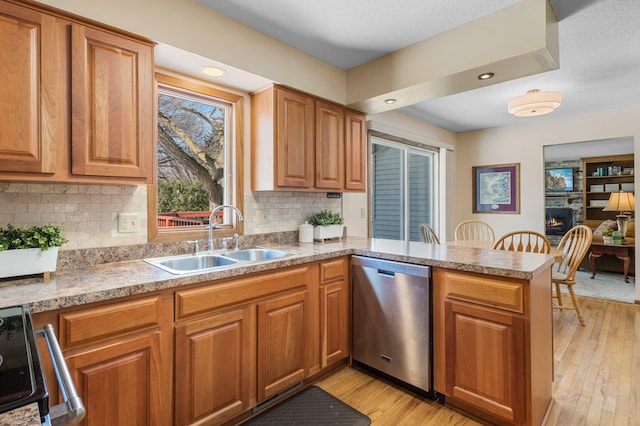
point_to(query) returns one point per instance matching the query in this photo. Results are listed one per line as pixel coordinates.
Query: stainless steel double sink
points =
(207, 262)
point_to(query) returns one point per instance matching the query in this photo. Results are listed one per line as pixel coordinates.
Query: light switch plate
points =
(128, 223)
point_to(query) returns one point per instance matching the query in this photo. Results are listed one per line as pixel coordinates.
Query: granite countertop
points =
(113, 280)
(29, 415)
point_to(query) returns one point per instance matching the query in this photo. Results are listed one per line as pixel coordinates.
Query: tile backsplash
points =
(283, 211)
(89, 213)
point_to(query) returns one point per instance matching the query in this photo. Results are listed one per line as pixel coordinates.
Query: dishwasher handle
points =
(72, 405)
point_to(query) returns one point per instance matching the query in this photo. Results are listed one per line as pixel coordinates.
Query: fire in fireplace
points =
(558, 221)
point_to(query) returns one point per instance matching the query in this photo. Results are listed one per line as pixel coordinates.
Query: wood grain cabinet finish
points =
(329, 146)
(243, 340)
(32, 93)
(493, 354)
(334, 311)
(77, 100)
(215, 358)
(119, 355)
(304, 143)
(112, 104)
(355, 151)
(485, 359)
(282, 338)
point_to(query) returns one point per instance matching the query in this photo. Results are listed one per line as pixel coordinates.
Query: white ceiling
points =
(599, 49)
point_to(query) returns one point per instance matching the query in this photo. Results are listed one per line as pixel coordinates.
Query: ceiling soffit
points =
(514, 42)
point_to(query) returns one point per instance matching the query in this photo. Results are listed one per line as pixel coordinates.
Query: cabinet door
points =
(329, 146)
(120, 383)
(281, 343)
(294, 139)
(356, 151)
(215, 363)
(334, 322)
(112, 105)
(485, 359)
(32, 93)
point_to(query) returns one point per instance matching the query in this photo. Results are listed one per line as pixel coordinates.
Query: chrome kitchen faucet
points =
(212, 225)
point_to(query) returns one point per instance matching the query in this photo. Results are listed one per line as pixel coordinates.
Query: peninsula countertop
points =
(113, 280)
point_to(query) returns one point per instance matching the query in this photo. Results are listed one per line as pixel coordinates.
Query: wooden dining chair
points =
(527, 241)
(474, 230)
(574, 246)
(428, 234)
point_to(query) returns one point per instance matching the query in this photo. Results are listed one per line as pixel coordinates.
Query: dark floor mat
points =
(311, 407)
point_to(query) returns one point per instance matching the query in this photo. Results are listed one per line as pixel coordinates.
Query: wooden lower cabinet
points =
(216, 359)
(485, 359)
(334, 311)
(120, 357)
(218, 348)
(493, 354)
(244, 340)
(120, 383)
(282, 338)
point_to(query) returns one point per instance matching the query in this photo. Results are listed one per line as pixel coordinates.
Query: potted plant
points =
(607, 236)
(27, 250)
(327, 225)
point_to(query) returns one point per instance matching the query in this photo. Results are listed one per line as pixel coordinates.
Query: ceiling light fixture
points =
(213, 71)
(534, 103)
(486, 76)
(390, 101)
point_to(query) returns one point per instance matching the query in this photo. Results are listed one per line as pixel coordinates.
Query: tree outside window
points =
(195, 143)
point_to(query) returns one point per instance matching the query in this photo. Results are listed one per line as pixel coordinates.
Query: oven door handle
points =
(72, 403)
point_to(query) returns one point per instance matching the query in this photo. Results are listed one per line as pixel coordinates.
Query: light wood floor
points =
(597, 376)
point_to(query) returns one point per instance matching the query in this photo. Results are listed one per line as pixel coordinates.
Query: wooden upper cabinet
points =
(356, 151)
(294, 135)
(77, 100)
(302, 143)
(112, 104)
(32, 89)
(329, 146)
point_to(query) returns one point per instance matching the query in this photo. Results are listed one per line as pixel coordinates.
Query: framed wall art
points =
(496, 188)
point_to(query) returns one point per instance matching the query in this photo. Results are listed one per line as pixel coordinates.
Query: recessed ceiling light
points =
(390, 101)
(213, 71)
(486, 76)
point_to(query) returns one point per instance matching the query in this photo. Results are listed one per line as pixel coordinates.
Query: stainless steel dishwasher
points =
(392, 320)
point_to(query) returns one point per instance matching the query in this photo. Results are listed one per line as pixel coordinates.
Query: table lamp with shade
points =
(622, 202)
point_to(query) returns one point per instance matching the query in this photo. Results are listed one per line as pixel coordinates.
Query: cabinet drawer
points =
(210, 297)
(103, 322)
(485, 291)
(333, 270)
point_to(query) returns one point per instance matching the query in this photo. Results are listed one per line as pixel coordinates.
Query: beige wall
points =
(524, 144)
(187, 25)
(402, 126)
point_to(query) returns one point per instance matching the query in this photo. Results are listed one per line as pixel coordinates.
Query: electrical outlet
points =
(128, 223)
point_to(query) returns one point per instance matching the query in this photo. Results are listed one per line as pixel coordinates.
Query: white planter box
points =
(14, 263)
(321, 233)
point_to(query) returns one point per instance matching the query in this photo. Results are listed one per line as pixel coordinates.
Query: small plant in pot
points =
(327, 225)
(27, 250)
(607, 236)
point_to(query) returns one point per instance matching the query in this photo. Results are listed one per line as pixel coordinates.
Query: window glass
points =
(403, 190)
(192, 136)
(195, 151)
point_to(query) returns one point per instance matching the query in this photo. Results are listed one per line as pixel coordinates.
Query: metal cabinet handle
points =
(74, 407)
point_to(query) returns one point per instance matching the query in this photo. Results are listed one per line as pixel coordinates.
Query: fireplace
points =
(558, 221)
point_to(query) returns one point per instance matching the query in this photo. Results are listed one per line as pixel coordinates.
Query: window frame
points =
(236, 175)
(407, 147)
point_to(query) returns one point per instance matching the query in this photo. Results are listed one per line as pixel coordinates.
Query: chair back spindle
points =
(428, 234)
(476, 230)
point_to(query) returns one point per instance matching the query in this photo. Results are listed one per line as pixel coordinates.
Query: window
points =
(198, 160)
(404, 182)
